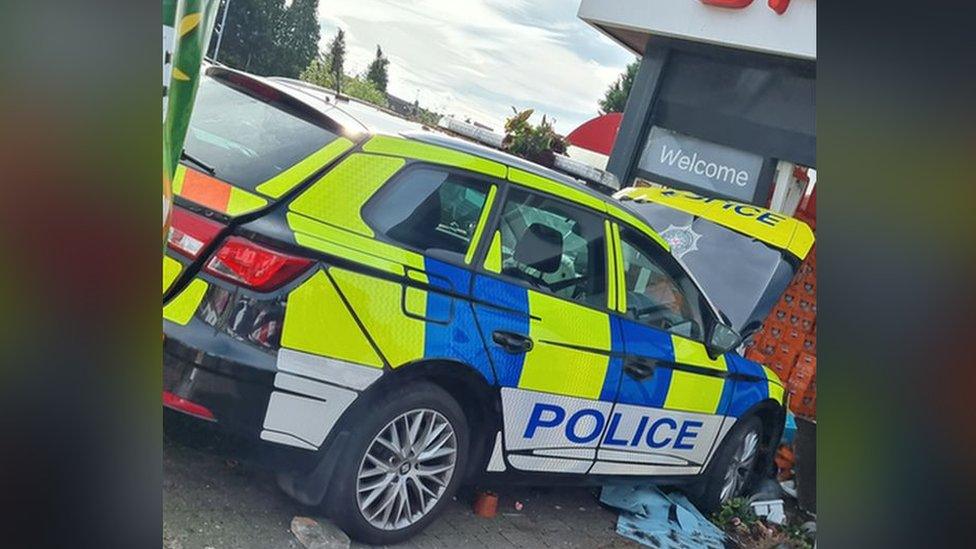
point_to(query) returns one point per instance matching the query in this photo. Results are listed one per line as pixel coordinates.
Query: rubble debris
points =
(769, 509)
(486, 504)
(656, 519)
(315, 535)
(785, 459)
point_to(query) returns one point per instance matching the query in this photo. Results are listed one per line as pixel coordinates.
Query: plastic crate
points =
(790, 298)
(782, 369)
(804, 406)
(775, 330)
(803, 373)
(809, 284)
(795, 337)
(788, 350)
(807, 325)
(810, 344)
(781, 313)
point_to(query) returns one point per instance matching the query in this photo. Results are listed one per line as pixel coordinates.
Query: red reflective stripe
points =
(205, 190)
(178, 403)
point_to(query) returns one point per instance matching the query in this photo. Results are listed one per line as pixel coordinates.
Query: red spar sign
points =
(779, 6)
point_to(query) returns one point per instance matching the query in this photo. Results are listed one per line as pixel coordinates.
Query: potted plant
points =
(539, 144)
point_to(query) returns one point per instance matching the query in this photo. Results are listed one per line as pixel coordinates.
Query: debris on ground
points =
(785, 460)
(789, 429)
(789, 486)
(656, 519)
(769, 509)
(318, 535)
(486, 504)
(747, 530)
(519, 506)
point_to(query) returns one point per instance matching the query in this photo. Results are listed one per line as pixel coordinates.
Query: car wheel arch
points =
(772, 415)
(479, 399)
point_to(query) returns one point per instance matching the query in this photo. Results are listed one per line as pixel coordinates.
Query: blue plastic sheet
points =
(789, 431)
(655, 519)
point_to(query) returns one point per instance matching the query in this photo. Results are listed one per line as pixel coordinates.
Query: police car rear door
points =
(672, 396)
(542, 310)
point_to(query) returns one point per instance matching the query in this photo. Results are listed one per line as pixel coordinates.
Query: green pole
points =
(190, 24)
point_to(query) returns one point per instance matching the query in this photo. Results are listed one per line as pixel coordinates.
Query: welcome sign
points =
(710, 167)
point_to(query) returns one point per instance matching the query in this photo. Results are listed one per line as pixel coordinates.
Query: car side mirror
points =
(721, 340)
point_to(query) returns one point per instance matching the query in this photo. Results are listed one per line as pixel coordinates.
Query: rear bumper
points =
(233, 381)
(237, 405)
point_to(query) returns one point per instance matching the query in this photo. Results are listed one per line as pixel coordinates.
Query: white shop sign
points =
(708, 167)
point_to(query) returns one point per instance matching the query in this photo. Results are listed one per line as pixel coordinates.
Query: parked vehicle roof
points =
(359, 117)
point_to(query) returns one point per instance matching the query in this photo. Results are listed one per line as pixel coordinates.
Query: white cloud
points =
(478, 58)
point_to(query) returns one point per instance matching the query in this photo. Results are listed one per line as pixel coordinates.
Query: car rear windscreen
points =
(247, 140)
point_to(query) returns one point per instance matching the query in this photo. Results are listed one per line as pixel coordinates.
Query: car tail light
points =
(189, 233)
(252, 265)
(183, 405)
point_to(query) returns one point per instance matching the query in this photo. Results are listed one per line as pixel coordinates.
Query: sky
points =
(479, 58)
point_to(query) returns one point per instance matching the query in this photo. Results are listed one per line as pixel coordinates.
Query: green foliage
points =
(321, 72)
(615, 98)
(426, 117)
(266, 37)
(377, 71)
(536, 143)
(337, 58)
(748, 531)
(364, 90)
(798, 536)
(734, 512)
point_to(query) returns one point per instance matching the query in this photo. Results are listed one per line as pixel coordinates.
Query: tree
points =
(299, 38)
(337, 58)
(266, 37)
(321, 73)
(615, 98)
(376, 73)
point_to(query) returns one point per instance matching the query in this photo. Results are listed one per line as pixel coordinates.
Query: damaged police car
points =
(388, 312)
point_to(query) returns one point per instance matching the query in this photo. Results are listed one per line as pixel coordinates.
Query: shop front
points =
(724, 106)
(724, 102)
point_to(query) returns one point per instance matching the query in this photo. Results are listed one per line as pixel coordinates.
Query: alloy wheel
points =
(740, 466)
(406, 469)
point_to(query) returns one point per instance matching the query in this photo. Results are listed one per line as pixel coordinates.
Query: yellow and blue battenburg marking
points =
(400, 307)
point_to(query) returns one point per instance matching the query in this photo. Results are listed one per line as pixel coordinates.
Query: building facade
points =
(724, 102)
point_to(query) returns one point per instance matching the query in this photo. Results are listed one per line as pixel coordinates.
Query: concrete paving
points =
(210, 501)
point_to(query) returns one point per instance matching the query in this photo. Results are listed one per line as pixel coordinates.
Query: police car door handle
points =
(512, 342)
(639, 368)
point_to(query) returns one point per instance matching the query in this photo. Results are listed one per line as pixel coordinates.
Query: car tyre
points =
(734, 469)
(382, 496)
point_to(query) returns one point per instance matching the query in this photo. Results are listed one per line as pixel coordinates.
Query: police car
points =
(388, 312)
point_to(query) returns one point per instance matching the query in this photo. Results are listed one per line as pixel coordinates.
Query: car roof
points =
(360, 117)
(372, 119)
(368, 118)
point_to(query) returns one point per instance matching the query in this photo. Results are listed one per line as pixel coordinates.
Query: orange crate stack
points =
(787, 341)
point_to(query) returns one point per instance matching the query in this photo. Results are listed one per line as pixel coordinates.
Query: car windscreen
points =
(742, 276)
(247, 140)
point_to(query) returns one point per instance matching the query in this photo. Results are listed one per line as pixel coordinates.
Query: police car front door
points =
(672, 397)
(542, 310)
